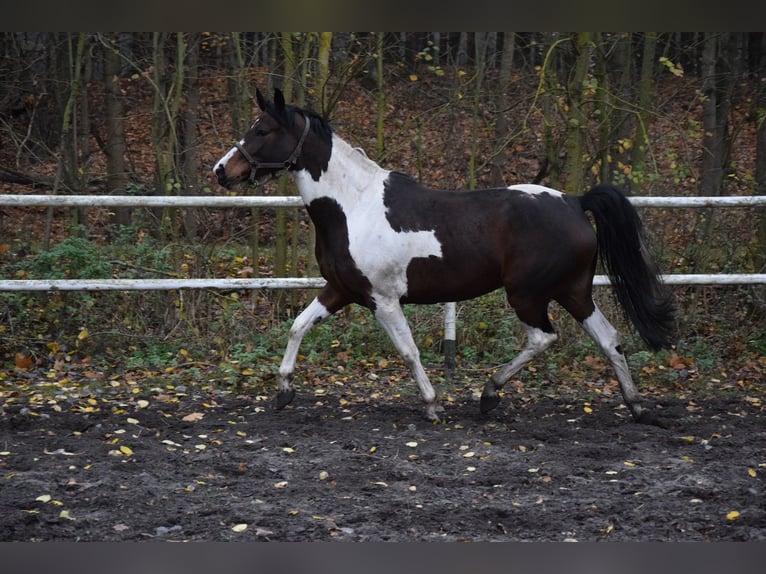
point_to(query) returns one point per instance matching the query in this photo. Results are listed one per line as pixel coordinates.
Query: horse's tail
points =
(645, 300)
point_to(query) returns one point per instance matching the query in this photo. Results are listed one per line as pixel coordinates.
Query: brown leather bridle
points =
(279, 166)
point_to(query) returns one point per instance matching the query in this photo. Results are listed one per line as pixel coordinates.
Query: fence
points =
(302, 282)
(450, 314)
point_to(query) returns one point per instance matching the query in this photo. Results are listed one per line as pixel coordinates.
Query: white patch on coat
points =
(534, 189)
(357, 184)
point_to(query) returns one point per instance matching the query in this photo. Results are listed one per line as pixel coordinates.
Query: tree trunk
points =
(578, 119)
(280, 231)
(480, 47)
(67, 165)
(116, 175)
(501, 103)
(189, 119)
(760, 162)
(548, 90)
(643, 117)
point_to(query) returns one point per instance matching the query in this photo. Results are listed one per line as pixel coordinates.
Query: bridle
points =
(280, 166)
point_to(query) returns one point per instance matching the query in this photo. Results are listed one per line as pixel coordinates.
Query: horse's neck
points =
(350, 174)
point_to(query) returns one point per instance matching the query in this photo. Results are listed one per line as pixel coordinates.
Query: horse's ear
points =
(261, 100)
(279, 101)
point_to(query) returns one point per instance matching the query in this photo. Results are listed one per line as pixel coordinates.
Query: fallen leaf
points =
(126, 450)
(22, 361)
(750, 472)
(193, 417)
(280, 484)
(44, 498)
(65, 514)
(733, 515)
(239, 527)
(411, 444)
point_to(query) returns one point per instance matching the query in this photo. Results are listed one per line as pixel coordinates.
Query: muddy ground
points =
(339, 467)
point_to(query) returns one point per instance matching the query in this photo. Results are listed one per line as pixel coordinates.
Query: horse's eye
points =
(260, 132)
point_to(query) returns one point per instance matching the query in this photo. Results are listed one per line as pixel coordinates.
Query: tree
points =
(116, 175)
(577, 119)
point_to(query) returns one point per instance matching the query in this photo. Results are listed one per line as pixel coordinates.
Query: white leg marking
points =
(537, 341)
(303, 323)
(608, 341)
(391, 317)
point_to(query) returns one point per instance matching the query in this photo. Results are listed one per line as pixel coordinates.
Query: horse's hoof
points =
(488, 402)
(284, 398)
(431, 413)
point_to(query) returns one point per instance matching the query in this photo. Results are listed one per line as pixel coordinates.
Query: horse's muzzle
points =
(220, 174)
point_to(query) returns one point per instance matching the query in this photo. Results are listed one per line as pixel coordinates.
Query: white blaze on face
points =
(534, 189)
(225, 159)
(357, 184)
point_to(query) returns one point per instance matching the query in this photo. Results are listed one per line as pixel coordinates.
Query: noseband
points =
(279, 166)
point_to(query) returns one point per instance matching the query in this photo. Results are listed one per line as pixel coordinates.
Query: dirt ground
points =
(335, 466)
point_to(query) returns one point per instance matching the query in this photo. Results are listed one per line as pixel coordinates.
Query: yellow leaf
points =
(280, 484)
(413, 77)
(83, 334)
(126, 450)
(65, 514)
(628, 463)
(287, 449)
(323, 475)
(587, 410)
(44, 498)
(239, 527)
(411, 444)
(751, 472)
(373, 448)
(733, 515)
(132, 421)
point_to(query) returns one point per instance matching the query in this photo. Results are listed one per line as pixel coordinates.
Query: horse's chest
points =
(366, 244)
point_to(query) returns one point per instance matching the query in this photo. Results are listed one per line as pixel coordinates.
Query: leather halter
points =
(279, 166)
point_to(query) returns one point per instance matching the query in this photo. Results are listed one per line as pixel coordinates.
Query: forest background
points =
(676, 114)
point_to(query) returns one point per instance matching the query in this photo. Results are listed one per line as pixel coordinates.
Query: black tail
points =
(646, 301)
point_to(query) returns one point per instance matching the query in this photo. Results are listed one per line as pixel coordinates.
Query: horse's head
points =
(272, 144)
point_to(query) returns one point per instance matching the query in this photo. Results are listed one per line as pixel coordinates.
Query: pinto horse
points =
(383, 240)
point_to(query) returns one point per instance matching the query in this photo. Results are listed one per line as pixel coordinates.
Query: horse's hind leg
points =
(605, 335)
(325, 304)
(539, 338)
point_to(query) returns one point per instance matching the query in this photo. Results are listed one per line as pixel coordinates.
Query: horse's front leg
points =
(325, 304)
(391, 317)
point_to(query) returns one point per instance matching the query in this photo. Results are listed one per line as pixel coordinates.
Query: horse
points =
(383, 240)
